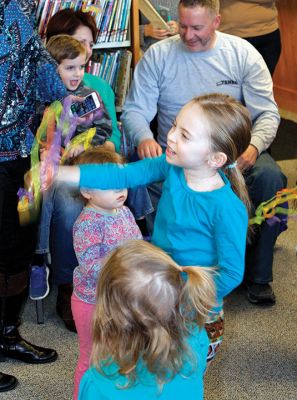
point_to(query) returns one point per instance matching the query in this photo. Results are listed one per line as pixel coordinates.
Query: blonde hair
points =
(230, 133)
(63, 47)
(145, 310)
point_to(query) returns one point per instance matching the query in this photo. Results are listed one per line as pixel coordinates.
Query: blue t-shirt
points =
(96, 386)
(194, 228)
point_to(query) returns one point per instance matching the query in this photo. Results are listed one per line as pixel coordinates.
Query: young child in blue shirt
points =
(148, 336)
(202, 217)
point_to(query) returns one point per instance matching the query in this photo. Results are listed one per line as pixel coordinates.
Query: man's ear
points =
(216, 22)
(85, 193)
(217, 160)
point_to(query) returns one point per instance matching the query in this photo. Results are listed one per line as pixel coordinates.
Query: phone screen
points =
(88, 105)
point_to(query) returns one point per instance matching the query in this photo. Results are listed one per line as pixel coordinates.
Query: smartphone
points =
(90, 104)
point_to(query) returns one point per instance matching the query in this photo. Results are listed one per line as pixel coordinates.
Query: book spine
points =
(127, 18)
(111, 22)
(116, 22)
(108, 15)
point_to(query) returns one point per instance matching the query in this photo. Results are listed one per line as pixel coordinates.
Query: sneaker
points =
(260, 293)
(39, 287)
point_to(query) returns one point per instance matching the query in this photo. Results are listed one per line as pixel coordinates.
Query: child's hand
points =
(73, 151)
(109, 146)
(47, 175)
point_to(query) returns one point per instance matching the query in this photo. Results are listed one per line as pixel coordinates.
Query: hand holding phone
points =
(90, 104)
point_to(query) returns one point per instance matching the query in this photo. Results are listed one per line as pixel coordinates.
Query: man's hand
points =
(174, 27)
(155, 33)
(248, 158)
(149, 148)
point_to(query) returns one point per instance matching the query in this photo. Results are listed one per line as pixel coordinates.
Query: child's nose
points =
(171, 135)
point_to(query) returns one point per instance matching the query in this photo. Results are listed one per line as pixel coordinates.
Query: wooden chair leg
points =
(39, 311)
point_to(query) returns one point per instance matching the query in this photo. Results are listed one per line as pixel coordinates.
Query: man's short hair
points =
(212, 5)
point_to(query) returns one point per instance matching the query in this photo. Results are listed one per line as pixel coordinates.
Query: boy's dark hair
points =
(67, 21)
(63, 47)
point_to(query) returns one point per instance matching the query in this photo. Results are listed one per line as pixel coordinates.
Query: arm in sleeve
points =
(115, 136)
(230, 237)
(141, 103)
(258, 98)
(49, 86)
(114, 176)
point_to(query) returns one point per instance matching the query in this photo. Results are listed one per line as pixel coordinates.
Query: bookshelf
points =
(117, 48)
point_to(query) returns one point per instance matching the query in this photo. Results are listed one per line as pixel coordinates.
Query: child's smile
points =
(72, 71)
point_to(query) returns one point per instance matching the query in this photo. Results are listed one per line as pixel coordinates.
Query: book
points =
(152, 15)
(126, 21)
(123, 78)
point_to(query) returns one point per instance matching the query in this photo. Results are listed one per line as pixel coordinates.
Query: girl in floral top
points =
(104, 224)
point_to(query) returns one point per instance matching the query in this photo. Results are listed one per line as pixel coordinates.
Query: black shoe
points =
(7, 382)
(260, 293)
(63, 306)
(12, 345)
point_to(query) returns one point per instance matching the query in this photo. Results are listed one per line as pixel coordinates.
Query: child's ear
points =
(217, 160)
(85, 193)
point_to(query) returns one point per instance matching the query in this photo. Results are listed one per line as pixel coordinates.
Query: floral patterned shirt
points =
(95, 235)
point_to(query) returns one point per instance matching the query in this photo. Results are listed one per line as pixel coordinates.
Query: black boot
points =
(12, 345)
(63, 307)
(7, 382)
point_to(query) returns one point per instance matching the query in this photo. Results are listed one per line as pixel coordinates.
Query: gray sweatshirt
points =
(169, 75)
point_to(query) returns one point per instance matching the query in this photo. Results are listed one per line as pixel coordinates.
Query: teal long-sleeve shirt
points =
(183, 386)
(194, 228)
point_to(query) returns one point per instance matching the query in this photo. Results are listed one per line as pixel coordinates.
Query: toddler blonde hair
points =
(145, 309)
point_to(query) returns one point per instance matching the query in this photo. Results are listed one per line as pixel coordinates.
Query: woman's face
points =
(84, 35)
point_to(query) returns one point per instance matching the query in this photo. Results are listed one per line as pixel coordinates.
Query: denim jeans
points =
(60, 209)
(263, 180)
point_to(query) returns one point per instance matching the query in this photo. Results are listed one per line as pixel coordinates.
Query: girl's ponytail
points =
(198, 293)
(238, 185)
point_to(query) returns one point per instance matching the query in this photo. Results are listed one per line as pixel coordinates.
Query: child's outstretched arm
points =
(107, 176)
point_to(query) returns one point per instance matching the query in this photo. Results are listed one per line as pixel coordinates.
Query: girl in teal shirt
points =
(202, 216)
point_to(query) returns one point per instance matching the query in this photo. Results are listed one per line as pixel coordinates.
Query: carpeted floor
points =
(258, 358)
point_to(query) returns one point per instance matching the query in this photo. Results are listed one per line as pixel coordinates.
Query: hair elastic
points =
(233, 165)
(184, 275)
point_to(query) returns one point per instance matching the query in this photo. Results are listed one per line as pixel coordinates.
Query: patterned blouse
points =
(27, 74)
(95, 235)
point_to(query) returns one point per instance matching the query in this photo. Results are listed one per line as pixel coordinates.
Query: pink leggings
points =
(82, 315)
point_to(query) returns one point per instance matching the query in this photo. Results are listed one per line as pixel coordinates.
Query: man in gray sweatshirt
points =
(198, 61)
